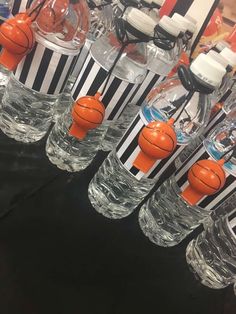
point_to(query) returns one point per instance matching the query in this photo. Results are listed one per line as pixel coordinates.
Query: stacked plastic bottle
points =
(164, 54)
(212, 255)
(139, 160)
(180, 205)
(101, 24)
(116, 65)
(28, 102)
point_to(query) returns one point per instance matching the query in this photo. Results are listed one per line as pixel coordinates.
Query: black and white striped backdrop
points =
(44, 70)
(92, 78)
(208, 202)
(232, 222)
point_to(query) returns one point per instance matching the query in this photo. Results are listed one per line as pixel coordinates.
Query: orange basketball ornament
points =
(206, 177)
(157, 141)
(17, 39)
(87, 114)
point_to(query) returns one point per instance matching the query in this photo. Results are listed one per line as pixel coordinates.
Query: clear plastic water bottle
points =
(74, 154)
(162, 59)
(130, 171)
(27, 105)
(101, 19)
(221, 100)
(169, 216)
(211, 256)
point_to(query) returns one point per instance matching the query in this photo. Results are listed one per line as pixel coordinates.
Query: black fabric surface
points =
(59, 256)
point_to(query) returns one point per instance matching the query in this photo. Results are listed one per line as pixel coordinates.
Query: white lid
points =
(141, 21)
(184, 22)
(170, 26)
(221, 45)
(208, 70)
(158, 2)
(191, 19)
(229, 55)
(218, 57)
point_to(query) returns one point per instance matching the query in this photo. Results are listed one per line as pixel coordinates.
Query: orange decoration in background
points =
(87, 113)
(206, 177)
(157, 141)
(17, 39)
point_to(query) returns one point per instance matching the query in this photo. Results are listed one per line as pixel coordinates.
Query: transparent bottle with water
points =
(162, 58)
(27, 106)
(211, 256)
(115, 191)
(72, 154)
(101, 23)
(168, 217)
(224, 95)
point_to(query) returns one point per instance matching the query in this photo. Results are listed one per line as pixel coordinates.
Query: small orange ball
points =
(158, 140)
(16, 35)
(87, 113)
(206, 177)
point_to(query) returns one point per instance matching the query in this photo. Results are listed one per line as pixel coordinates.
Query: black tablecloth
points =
(59, 256)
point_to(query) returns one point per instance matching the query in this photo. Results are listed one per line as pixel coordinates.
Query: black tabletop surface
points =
(59, 256)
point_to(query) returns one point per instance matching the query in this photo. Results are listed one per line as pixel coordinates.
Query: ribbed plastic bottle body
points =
(129, 68)
(161, 64)
(211, 256)
(166, 219)
(114, 192)
(25, 114)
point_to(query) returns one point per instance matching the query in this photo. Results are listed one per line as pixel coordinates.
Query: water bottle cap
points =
(191, 19)
(208, 70)
(158, 2)
(221, 45)
(218, 57)
(189, 26)
(170, 26)
(141, 21)
(229, 55)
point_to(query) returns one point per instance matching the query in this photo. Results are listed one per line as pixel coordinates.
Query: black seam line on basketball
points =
(162, 133)
(212, 171)
(15, 44)
(213, 188)
(95, 109)
(23, 33)
(166, 150)
(86, 119)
